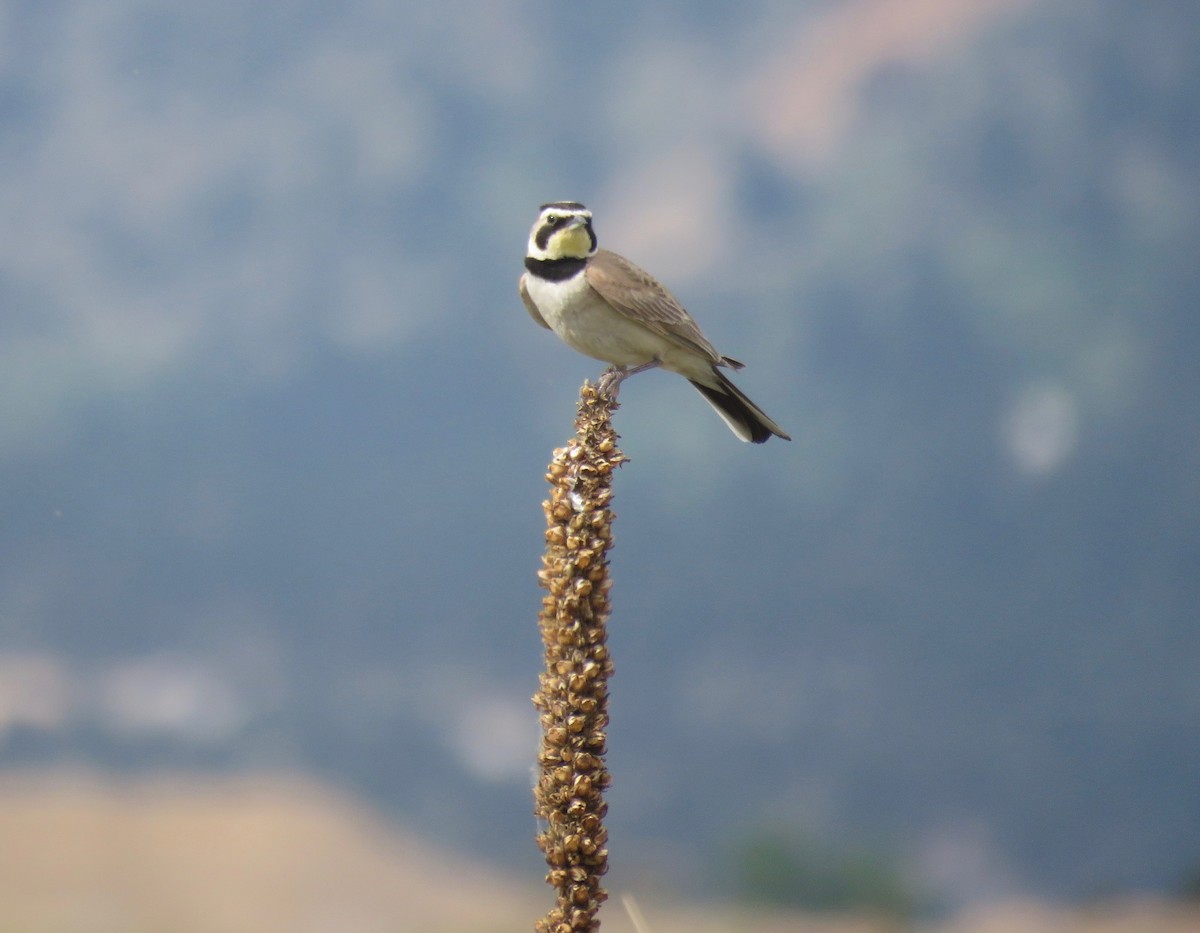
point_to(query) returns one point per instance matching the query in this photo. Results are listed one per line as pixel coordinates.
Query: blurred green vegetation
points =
(1189, 888)
(793, 869)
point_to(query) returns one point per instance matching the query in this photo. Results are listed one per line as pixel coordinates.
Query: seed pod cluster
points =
(573, 690)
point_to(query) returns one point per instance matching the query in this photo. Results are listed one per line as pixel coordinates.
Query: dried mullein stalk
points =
(573, 693)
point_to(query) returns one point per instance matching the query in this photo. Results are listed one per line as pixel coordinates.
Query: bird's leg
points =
(611, 379)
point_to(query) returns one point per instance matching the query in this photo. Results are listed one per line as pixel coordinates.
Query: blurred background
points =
(273, 424)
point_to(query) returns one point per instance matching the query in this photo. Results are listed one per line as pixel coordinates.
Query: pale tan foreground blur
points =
(273, 853)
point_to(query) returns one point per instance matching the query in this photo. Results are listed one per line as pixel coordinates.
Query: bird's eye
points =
(553, 220)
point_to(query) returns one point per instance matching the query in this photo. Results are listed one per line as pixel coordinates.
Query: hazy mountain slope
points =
(273, 421)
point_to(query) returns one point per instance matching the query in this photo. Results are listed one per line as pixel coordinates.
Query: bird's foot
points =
(610, 383)
(611, 379)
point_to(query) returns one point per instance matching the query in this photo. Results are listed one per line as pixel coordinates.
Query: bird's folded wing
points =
(638, 295)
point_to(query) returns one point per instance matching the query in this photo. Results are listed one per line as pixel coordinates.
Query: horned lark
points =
(607, 308)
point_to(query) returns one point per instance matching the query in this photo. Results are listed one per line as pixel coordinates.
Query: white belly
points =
(587, 323)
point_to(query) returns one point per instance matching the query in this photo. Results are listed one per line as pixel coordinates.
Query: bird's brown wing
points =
(639, 296)
(530, 306)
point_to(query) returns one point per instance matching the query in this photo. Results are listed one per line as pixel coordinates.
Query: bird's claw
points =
(609, 384)
(611, 379)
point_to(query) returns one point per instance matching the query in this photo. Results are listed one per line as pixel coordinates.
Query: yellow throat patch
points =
(573, 243)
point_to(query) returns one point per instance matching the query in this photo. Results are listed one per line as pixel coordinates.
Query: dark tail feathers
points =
(744, 418)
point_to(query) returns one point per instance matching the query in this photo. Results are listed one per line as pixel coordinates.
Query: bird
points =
(606, 307)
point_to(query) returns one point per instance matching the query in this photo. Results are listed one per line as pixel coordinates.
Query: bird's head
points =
(563, 230)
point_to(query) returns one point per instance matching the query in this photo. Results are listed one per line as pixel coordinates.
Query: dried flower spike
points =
(573, 693)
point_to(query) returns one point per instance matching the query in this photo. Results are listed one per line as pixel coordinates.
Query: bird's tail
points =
(745, 419)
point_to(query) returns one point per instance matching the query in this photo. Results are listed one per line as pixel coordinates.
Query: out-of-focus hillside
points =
(265, 853)
(280, 854)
